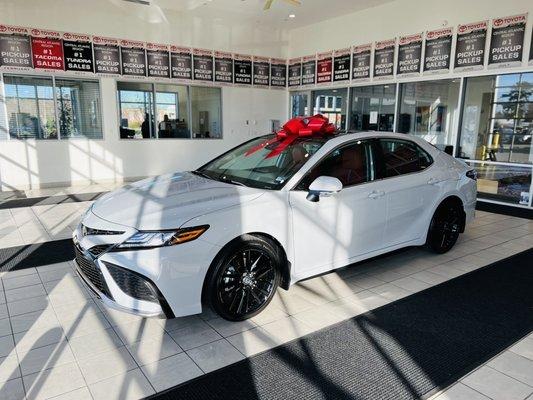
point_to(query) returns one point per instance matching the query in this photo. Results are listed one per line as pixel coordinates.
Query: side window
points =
(352, 164)
(403, 157)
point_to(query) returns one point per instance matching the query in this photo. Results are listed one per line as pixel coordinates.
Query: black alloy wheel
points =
(245, 280)
(445, 227)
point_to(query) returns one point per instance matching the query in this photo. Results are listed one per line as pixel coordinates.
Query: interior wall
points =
(246, 112)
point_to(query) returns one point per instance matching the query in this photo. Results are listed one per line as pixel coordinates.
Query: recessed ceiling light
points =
(292, 15)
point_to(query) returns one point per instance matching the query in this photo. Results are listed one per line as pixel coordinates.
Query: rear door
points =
(411, 189)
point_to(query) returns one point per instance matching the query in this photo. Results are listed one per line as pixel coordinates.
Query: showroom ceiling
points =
(308, 12)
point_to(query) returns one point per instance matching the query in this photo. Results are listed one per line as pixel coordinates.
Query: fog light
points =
(133, 283)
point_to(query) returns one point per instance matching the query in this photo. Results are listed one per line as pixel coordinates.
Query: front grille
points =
(99, 249)
(94, 231)
(91, 272)
(133, 284)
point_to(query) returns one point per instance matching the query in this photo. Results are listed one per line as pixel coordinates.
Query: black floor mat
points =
(35, 255)
(41, 201)
(519, 212)
(406, 349)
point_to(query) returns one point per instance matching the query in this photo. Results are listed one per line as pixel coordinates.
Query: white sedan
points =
(270, 212)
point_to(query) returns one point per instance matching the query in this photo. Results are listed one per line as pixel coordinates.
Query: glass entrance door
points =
(331, 103)
(299, 104)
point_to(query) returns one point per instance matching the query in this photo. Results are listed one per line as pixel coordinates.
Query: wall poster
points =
(470, 46)
(202, 65)
(438, 50)
(409, 55)
(341, 64)
(157, 60)
(278, 72)
(309, 70)
(261, 71)
(361, 56)
(180, 63)
(15, 47)
(243, 69)
(47, 50)
(295, 72)
(384, 58)
(133, 57)
(223, 67)
(78, 52)
(507, 41)
(106, 56)
(324, 67)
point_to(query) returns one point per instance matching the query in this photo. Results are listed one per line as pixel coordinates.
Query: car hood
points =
(168, 201)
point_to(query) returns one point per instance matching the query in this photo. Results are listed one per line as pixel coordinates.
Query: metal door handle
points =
(374, 194)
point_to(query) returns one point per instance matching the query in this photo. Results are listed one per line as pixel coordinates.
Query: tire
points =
(244, 278)
(445, 227)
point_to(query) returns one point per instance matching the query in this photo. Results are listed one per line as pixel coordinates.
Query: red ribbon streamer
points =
(295, 128)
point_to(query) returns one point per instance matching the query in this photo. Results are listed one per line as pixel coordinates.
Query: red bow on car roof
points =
(295, 128)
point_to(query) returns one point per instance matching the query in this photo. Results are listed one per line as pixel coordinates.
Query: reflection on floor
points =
(56, 340)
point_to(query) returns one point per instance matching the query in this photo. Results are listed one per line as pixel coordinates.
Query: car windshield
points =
(265, 162)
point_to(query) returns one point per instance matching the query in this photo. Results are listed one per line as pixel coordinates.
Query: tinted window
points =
(403, 157)
(352, 165)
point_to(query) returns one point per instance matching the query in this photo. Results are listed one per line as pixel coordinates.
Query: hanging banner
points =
(106, 56)
(223, 67)
(157, 60)
(78, 52)
(278, 73)
(507, 41)
(409, 55)
(15, 48)
(261, 71)
(242, 65)
(384, 58)
(133, 57)
(341, 65)
(309, 70)
(361, 62)
(324, 67)
(47, 50)
(438, 50)
(180, 63)
(202, 65)
(470, 46)
(295, 72)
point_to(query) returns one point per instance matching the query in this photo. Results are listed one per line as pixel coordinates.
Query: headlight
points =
(151, 239)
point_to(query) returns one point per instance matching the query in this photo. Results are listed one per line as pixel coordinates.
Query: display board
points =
(341, 65)
(47, 50)
(470, 46)
(278, 73)
(158, 60)
(507, 41)
(78, 52)
(309, 70)
(324, 67)
(243, 69)
(15, 47)
(295, 72)
(384, 58)
(223, 67)
(133, 58)
(180, 63)
(261, 71)
(361, 57)
(409, 55)
(438, 50)
(106, 56)
(202, 61)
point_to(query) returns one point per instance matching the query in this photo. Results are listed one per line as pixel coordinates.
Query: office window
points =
(78, 108)
(428, 110)
(172, 111)
(373, 108)
(30, 107)
(136, 105)
(206, 110)
(299, 107)
(331, 103)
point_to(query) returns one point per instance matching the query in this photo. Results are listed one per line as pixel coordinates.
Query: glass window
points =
(403, 157)
(136, 105)
(206, 106)
(78, 108)
(373, 108)
(299, 106)
(352, 165)
(30, 107)
(428, 110)
(497, 122)
(331, 103)
(172, 111)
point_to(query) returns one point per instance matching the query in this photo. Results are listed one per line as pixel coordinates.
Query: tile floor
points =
(57, 341)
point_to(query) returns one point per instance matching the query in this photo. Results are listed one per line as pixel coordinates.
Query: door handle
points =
(374, 194)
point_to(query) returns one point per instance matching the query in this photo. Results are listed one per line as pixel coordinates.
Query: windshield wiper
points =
(202, 174)
(227, 180)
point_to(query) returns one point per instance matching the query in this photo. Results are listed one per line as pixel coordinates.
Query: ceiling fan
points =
(268, 3)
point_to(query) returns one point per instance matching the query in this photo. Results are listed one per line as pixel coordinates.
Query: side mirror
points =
(323, 186)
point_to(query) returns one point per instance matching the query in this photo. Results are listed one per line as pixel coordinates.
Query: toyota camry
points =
(273, 211)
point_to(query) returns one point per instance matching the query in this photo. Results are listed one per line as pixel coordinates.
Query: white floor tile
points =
(496, 385)
(171, 371)
(53, 382)
(132, 385)
(215, 355)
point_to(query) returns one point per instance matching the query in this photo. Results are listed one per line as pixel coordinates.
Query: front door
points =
(330, 232)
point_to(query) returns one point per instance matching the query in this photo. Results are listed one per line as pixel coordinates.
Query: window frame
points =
(53, 77)
(381, 161)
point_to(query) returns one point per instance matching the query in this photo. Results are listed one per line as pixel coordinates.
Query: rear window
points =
(403, 157)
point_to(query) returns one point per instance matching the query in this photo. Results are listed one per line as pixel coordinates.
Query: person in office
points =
(145, 127)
